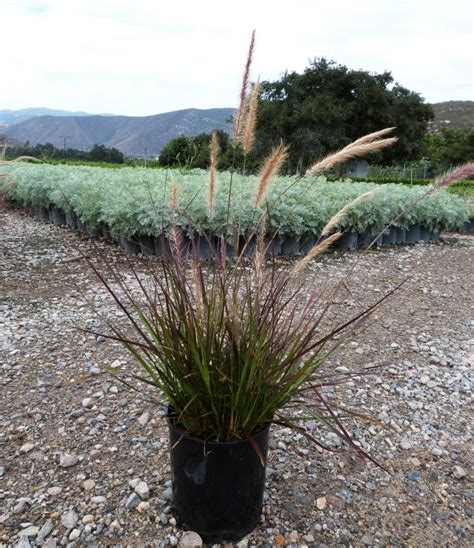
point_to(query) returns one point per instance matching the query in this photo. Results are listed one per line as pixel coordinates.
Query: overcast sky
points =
(145, 57)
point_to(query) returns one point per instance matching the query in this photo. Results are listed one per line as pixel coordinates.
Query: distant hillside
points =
(10, 117)
(454, 114)
(130, 134)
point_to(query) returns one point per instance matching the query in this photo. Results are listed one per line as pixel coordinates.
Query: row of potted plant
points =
(135, 203)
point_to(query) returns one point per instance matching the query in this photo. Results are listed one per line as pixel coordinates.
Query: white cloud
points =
(146, 57)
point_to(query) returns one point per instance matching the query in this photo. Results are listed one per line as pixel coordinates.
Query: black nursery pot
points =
(217, 486)
(57, 217)
(349, 240)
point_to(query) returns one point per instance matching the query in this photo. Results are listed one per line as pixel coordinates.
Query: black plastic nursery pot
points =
(93, 232)
(129, 246)
(217, 486)
(81, 226)
(364, 239)
(57, 217)
(434, 235)
(42, 213)
(147, 245)
(272, 246)
(425, 234)
(307, 243)
(413, 234)
(401, 236)
(349, 240)
(71, 220)
(290, 245)
(202, 247)
(390, 236)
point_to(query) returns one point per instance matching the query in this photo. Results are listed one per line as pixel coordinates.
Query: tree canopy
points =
(329, 106)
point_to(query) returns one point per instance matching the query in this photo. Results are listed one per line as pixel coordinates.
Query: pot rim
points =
(172, 424)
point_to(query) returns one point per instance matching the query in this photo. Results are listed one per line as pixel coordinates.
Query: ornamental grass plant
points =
(239, 343)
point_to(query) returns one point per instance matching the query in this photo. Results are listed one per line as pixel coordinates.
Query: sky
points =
(145, 57)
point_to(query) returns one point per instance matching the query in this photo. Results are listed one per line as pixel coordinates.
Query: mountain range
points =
(133, 134)
(130, 134)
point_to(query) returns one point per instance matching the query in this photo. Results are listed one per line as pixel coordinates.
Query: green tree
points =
(330, 105)
(450, 147)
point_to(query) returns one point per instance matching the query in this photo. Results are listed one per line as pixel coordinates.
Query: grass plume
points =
(248, 138)
(240, 114)
(347, 153)
(214, 152)
(270, 168)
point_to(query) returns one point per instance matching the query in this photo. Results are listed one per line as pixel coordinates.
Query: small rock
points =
(459, 472)
(144, 506)
(66, 461)
(27, 447)
(168, 493)
(133, 501)
(53, 491)
(46, 529)
(50, 543)
(98, 499)
(21, 505)
(190, 539)
(142, 490)
(437, 451)
(280, 540)
(87, 403)
(144, 418)
(294, 537)
(115, 525)
(173, 541)
(321, 503)
(75, 534)
(88, 518)
(31, 531)
(69, 519)
(309, 538)
(405, 444)
(414, 475)
(163, 519)
(367, 540)
(88, 484)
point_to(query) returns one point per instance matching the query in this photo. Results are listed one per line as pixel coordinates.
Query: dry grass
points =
(270, 168)
(214, 152)
(350, 151)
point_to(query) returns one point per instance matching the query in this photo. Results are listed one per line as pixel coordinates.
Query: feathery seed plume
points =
(348, 152)
(248, 137)
(455, 174)
(214, 151)
(316, 250)
(270, 168)
(239, 115)
(371, 136)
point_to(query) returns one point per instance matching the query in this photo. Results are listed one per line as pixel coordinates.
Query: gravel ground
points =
(83, 461)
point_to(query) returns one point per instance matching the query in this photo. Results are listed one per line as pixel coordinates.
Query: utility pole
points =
(65, 137)
(146, 151)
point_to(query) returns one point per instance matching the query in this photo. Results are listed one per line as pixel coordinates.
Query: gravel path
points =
(83, 461)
